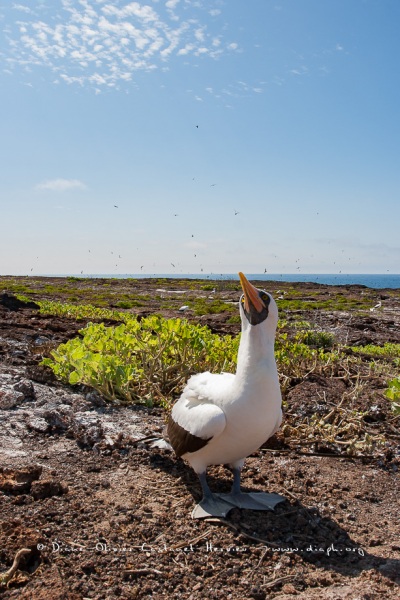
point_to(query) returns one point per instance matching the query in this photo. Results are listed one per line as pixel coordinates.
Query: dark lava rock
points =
(47, 488)
(12, 303)
(18, 481)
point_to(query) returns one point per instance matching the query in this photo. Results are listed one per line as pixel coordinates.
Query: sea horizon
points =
(371, 280)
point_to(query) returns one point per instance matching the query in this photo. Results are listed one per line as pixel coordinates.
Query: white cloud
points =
(102, 43)
(301, 71)
(61, 185)
(21, 8)
(199, 34)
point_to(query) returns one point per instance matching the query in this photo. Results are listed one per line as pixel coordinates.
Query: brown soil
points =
(106, 516)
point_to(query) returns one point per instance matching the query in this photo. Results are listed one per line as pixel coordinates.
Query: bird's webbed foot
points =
(252, 500)
(211, 506)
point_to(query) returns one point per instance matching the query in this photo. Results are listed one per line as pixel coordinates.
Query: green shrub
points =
(316, 339)
(393, 394)
(142, 361)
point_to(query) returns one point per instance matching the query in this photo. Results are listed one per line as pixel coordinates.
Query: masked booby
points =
(223, 418)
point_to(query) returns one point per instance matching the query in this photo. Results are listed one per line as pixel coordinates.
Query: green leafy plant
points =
(144, 361)
(316, 339)
(203, 306)
(80, 311)
(393, 394)
(129, 303)
(387, 351)
(296, 359)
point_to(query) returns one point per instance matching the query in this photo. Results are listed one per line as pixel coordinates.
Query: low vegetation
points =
(393, 394)
(149, 361)
(142, 362)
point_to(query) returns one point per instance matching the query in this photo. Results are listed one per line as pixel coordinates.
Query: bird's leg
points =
(236, 482)
(252, 500)
(210, 505)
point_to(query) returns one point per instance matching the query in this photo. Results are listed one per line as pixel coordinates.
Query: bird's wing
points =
(195, 418)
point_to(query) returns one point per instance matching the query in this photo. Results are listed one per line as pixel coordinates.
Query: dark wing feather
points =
(182, 441)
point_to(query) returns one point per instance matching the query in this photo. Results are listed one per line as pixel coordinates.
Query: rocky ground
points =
(106, 516)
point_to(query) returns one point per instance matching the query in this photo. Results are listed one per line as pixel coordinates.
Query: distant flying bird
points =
(141, 267)
(236, 212)
(213, 184)
(197, 126)
(265, 270)
(173, 265)
(176, 215)
(115, 206)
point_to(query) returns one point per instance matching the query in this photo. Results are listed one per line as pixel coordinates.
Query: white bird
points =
(223, 418)
(376, 306)
(183, 308)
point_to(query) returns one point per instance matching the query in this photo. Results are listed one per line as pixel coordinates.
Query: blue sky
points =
(189, 136)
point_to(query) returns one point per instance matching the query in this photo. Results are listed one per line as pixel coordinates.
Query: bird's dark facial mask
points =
(254, 302)
(254, 316)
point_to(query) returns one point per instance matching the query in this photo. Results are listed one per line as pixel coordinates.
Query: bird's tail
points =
(163, 444)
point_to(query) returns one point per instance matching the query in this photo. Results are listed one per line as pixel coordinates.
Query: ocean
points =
(377, 281)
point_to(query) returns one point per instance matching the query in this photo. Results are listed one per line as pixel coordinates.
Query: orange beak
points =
(250, 295)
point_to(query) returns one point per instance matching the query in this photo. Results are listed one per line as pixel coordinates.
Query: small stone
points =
(47, 488)
(25, 386)
(38, 424)
(289, 588)
(10, 398)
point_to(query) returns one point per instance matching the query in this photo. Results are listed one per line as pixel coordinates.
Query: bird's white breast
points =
(253, 413)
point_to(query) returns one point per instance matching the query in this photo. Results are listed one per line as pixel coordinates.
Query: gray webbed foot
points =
(211, 506)
(252, 500)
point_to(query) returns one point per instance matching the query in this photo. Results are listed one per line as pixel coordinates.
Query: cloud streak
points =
(61, 185)
(102, 44)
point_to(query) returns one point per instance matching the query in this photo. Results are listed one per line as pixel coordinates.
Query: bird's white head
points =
(257, 307)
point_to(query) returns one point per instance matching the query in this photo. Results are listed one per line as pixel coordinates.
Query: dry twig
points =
(142, 572)
(273, 582)
(192, 542)
(8, 575)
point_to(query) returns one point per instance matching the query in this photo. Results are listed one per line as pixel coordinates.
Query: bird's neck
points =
(256, 353)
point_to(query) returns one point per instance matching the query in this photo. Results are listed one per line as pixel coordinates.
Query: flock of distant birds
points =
(236, 212)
